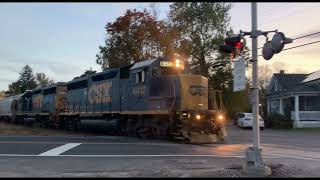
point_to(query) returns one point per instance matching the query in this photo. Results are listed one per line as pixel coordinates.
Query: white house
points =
(297, 94)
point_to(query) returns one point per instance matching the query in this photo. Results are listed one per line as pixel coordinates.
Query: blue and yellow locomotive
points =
(153, 98)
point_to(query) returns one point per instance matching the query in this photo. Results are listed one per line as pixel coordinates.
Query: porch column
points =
(281, 106)
(296, 110)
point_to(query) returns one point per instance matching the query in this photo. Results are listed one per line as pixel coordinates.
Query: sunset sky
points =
(62, 39)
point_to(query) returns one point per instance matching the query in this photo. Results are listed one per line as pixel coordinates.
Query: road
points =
(294, 154)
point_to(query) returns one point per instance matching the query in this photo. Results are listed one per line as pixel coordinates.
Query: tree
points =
(26, 81)
(3, 94)
(154, 10)
(131, 38)
(203, 26)
(86, 73)
(14, 88)
(265, 73)
(43, 80)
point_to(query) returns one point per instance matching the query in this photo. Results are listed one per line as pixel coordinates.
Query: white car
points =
(245, 120)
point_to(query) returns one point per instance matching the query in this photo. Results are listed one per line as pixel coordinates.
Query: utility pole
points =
(254, 165)
(255, 104)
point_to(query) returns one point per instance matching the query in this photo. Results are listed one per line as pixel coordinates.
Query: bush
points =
(276, 120)
(36, 125)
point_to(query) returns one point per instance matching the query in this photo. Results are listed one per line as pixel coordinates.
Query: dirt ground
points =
(17, 129)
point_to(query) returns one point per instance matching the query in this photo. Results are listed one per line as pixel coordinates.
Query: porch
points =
(304, 109)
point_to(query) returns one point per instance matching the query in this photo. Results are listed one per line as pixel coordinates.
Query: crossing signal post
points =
(233, 46)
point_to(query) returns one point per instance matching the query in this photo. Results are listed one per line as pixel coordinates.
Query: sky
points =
(62, 39)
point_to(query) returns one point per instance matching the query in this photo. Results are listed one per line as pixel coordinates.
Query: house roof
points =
(289, 81)
(312, 76)
(304, 88)
(293, 83)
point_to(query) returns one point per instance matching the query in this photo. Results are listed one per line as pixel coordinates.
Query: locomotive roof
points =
(12, 97)
(143, 63)
(77, 79)
(105, 71)
(55, 84)
(33, 90)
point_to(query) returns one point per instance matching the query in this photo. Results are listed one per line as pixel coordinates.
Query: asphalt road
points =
(294, 154)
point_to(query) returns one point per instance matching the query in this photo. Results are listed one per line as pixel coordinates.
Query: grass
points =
(315, 129)
(36, 125)
(35, 130)
(16, 129)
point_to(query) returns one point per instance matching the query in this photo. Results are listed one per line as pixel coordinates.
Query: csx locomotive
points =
(153, 98)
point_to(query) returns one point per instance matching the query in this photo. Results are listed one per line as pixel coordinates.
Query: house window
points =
(275, 106)
(309, 103)
(276, 88)
(140, 77)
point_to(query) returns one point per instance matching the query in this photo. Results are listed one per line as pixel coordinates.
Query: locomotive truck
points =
(155, 98)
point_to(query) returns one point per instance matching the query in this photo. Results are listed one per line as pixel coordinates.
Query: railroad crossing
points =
(115, 156)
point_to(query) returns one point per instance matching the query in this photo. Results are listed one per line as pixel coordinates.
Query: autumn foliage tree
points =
(194, 30)
(133, 37)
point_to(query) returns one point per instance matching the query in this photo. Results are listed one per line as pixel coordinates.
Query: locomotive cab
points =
(191, 118)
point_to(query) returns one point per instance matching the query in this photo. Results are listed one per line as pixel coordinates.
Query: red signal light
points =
(238, 45)
(233, 45)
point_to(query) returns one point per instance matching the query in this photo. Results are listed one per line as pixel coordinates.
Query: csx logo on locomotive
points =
(100, 93)
(37, 101)
(197, 90)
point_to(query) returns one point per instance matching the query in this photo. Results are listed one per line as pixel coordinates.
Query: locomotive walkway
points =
(35, 156)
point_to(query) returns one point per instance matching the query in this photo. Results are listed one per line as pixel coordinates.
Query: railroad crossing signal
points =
(275, 46)
(233, 45)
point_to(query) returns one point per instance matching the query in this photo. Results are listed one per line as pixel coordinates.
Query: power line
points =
(301, 45)
(306, 35)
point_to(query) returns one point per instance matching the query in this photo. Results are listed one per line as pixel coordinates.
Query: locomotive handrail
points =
(159, 97)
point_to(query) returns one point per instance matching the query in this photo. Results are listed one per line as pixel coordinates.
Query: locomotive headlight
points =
(198, 116)
(220, 118)
(178, 63)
